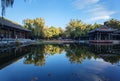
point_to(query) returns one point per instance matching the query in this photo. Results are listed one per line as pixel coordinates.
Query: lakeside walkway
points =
(59, 41)
(14, 42)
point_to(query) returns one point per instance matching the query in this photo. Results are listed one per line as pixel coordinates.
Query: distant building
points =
(9, 29)
(104, 35)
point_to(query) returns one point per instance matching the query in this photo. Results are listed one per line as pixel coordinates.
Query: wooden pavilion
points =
(12, 30)
(104, 35)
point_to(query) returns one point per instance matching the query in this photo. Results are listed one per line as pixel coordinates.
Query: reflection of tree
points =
(77, 53)
(36, 57)
(111, 59)
(53, 49)
(36, 54)
(38, 60)
(39, 53)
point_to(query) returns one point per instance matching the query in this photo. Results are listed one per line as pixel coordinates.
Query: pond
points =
(60, 62)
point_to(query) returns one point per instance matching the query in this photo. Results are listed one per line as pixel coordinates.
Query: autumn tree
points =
(47, 33)
(113, 23)
(75, 29)
(39, 24)
(36, 26)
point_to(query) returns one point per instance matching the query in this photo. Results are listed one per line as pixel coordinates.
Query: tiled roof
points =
(103, 28)
(6, 22)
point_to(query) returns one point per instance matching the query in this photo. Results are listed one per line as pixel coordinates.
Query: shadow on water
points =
(76, 53)
(11, 55)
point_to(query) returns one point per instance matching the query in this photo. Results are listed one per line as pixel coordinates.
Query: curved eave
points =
(11, 24)
(18, 28)
(102, 31)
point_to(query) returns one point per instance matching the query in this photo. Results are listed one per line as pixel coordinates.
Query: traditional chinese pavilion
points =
(10, 29)
(104, 35)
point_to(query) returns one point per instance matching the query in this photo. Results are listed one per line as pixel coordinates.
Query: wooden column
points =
(8, 33)
(100, 35)
(14, 34)
(20, 34)
(97, 35)
(109, 37)
(5, 33)
(26, 35)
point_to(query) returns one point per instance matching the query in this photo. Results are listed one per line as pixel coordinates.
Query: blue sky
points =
(59, 12)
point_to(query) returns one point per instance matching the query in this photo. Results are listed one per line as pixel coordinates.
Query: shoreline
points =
(56, 42)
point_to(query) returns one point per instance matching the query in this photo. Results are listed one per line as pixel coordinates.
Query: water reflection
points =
(11, 55)
(37, 54)
(109, 53)
(67, 62)
(77, 53)
(40, 52)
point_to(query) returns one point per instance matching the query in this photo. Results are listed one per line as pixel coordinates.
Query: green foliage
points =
(39, 53)
(74, 52)
(40, 31)
(76, 28)
(52, 32)
(36, 26)
(113, 23)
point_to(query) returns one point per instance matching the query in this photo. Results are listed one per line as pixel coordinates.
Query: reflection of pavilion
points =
(105, 49)
(108, 52)
(10, 56)
(104, 35)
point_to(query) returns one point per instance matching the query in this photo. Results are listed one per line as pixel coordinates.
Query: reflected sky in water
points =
(68, 62)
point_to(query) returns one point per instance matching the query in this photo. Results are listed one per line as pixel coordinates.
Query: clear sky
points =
(59, 12)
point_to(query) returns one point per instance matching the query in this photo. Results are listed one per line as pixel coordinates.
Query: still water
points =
(67, 62)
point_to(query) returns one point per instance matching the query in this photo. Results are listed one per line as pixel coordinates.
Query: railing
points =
(101, 41)
(12, 42)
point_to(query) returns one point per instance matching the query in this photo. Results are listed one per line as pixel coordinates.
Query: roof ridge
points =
(11, 21)
(12, 24)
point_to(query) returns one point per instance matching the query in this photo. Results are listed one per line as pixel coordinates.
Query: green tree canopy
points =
(75, 28)
(113, 23)
(36, 25)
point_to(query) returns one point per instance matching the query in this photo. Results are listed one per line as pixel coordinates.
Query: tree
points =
(36, 26)
(39, 30)
(47, 33)
(61, 31)
(39, 24)
(113, 23)
(52, 32)
(75, 29)
(28, 24)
